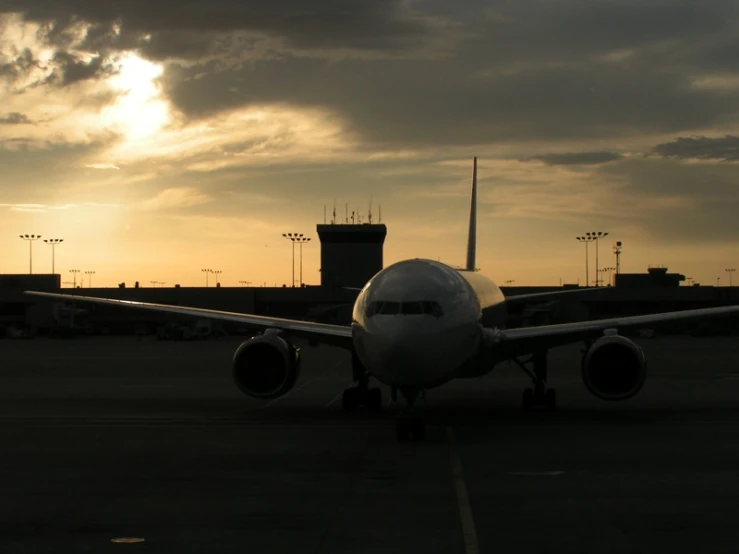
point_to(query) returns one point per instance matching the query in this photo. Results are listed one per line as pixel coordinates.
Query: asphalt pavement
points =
(125, 444)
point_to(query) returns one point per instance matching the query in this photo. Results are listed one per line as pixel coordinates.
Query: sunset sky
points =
(160, 140)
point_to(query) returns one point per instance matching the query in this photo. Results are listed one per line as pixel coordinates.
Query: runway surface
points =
(121, 438)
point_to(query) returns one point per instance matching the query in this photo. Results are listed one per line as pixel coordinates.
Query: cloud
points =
(15, 118)
(197, 28)
(44, 208)
(578, 158)
(172, 198)
(702, 148)
(102, 166)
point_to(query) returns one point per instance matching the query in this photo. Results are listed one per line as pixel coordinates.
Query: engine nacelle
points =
(266, 366)
(614, 368)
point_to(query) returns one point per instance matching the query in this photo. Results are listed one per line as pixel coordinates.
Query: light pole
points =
(730, 272)
(89, 279)
(301, 241)
(74, 272)
(617, 251)
(294, 238)
(598, 235)
(53, 243)
(217, 272)
(509, 282)
(30, 239)
(610, 276)
(586, 239)
(206, 271)
(247, 283)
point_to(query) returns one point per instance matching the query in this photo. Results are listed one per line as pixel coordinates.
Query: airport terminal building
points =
(350, 255)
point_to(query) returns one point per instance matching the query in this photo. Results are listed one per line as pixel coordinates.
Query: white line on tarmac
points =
(296, 389)
(146, 386)
(537, 473)
(469, 532)
(334, 399)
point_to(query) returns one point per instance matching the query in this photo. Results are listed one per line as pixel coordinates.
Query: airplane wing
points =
(543, 296)
(335, 335)
(526, 339)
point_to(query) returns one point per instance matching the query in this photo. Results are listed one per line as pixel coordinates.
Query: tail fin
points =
(472, 236)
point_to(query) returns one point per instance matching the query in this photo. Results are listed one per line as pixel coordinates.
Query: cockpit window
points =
(422, 307)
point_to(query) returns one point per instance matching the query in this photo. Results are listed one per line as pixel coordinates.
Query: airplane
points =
(419, 324)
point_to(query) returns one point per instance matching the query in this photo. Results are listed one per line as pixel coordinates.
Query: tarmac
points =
(122, 444)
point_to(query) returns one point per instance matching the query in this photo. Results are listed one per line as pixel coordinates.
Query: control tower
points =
(350, 253)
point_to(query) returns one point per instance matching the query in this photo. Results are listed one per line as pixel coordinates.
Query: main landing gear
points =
(361, 394)
(409, 425)
(539, 394)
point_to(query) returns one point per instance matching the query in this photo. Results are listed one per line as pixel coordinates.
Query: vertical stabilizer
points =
(472, 236)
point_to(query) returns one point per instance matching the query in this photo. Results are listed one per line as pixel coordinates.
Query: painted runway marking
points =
(146, 386)
(334, 399)
(469, 532)
(537, 473)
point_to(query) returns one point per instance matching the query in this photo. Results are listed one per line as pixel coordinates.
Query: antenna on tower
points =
(370, 211)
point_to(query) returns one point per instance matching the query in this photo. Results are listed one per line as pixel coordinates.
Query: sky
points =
(158, 142)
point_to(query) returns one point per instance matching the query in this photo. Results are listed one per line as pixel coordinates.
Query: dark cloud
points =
(703, 148)
(15, 118)
(380, 24)
(700, 201)
(577, 158)
(69, 69)
(431, 102)
(18, 64)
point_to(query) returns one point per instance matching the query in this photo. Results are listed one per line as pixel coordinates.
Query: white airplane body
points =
(418, 324)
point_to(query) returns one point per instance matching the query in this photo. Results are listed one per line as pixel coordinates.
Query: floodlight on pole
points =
(586, 239)
(217, 272)
(731, 271)
(89, 279)
(53, 243)
(206, 271)
(293, 237)
(74, 273)
(30, 239)
(597, 235)
(301, 241)
(617, 252)
(247, 283)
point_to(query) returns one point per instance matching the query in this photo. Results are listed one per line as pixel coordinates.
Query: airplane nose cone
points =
(402, 353)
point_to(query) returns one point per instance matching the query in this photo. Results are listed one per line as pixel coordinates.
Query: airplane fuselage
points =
(419, 323)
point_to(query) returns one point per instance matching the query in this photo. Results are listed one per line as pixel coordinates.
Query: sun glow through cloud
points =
(140, 112)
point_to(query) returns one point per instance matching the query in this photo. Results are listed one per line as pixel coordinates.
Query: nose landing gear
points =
(409, 425)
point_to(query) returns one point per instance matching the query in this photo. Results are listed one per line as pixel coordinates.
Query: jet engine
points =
(614, 368)
(266, 366)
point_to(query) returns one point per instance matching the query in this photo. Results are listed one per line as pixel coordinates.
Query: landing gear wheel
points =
(373, 399)
(528, 399)
(550, 401)
(350, 399)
